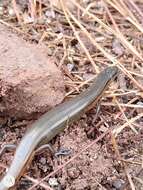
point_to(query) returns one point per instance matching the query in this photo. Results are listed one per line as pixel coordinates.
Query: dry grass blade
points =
(134, 130)
(136, 7)
(105, 53)
(78, 38)
(127, 105)
(122, 93)
(15, 28)
(32, 8)
(125, 9)
(16, 11)
(132, 120)
(65, 53)
(40, 8)
(137, 74)
(123, 105)
(139, 180)
(132, 162)
(80, 86)
(116, 33)
(44, 185)
(121, 36)
(88, 7)
(126, 14)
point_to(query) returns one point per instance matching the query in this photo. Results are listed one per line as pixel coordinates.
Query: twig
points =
(125, 14)
(136, 7)
(15, 28)
(119, 129)
(123, 105)
(16, 11)
(32, 9)
(125, 116)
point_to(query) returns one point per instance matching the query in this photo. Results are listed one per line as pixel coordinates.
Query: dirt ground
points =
(115, 161)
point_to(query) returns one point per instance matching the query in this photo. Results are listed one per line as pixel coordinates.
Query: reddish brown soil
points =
(104, 166)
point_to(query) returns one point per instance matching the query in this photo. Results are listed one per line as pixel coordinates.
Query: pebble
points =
(70, 66)
(50, 14)
(27, 19)
(11, 12)
(118, 183)
(53, 182)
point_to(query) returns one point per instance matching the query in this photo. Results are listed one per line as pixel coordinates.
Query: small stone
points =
(48, 21)
(9, 181)
(140, 103)
(103, 128)
(53, 182)
(44, 168)
(50, 14)
(27, 19)
(11, 12)
(70, 66)
(118, 183)
(100, 6)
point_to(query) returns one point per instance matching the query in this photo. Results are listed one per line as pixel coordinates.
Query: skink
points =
(54, 121)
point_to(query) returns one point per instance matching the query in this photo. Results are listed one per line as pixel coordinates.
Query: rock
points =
(53, 182)
(11, 12)
(70, 66)
(118, 183)
(30, 82)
